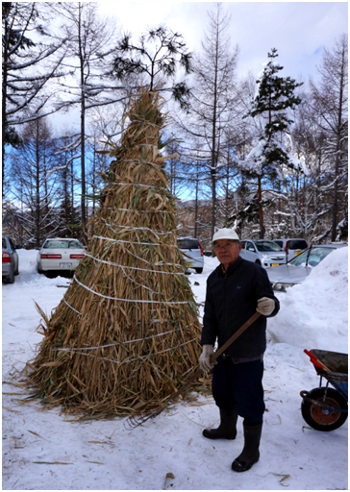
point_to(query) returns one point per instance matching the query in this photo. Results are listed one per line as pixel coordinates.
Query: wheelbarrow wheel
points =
(318, 416)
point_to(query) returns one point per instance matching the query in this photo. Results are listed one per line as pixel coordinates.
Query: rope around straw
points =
(126, 334)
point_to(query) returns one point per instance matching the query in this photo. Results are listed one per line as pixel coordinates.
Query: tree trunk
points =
(261, 215)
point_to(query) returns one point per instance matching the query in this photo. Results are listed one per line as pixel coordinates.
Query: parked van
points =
(193, 253)
(292, 246)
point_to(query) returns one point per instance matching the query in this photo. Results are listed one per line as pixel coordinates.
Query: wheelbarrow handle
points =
(316, 362)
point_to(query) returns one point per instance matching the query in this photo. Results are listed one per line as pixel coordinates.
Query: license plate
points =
(190, 264)
(65, 266)
(297, 252)
(275, 264)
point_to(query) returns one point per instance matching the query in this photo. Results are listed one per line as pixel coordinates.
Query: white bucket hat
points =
(225, 234)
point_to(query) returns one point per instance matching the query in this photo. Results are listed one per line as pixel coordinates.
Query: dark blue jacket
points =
(231, 300)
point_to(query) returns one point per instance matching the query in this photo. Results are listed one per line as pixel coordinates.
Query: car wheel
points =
(324, 414)
(11, 278)
(51, 273)
(199, 270)
(258, 262)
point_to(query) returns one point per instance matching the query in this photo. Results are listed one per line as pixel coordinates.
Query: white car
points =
(292, 246)
(264, 252)
(60, 255)
(193, 253)
(9, 260)
(297, 269)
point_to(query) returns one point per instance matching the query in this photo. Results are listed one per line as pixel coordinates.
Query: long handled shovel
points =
(136, 421)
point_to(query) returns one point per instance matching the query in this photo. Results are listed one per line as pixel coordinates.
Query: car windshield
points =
(311, 257)
(188, 244)
(62, 244)
(267, 246)
(297, 244)
(4, 243)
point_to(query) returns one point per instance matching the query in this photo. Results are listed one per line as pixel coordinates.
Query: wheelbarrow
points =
(325, 408)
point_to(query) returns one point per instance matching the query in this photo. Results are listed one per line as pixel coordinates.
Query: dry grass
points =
(126, 333)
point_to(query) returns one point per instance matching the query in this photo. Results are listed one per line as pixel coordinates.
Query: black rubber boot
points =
(227, 427)
(250, 453)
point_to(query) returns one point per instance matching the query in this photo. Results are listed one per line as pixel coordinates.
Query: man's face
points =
(227, 251)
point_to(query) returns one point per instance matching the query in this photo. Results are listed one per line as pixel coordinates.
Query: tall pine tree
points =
(274, 99)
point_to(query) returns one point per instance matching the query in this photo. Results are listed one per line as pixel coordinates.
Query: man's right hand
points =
(204, 359)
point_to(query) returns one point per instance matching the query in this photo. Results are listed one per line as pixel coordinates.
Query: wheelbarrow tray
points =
(333, 367)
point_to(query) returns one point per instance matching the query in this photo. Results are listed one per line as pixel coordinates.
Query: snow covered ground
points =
(43, 450)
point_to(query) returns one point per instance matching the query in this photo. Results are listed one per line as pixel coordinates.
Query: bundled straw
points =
(125, 335)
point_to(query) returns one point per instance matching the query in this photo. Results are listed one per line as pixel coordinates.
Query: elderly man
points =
(235, 290)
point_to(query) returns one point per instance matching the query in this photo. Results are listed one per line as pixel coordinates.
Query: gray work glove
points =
(204, 359)
(265, 306)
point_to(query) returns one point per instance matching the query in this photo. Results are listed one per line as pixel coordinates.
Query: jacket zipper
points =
(226, 310)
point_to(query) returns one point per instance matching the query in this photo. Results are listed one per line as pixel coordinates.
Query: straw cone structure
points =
(126, 334)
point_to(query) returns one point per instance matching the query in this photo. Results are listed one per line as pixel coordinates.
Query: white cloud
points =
(298, 30)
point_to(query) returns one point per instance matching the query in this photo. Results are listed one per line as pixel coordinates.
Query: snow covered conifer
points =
(275, 97)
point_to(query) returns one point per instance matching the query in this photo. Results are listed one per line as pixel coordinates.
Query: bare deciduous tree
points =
(30, 59)
(35, 187)
(330, 99)
(88, 61)
(213, 99)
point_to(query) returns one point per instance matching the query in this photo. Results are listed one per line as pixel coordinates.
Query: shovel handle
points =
(234, 337)
(179, 392)
(215, 355)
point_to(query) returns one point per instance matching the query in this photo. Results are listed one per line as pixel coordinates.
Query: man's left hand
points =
(265, 306)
